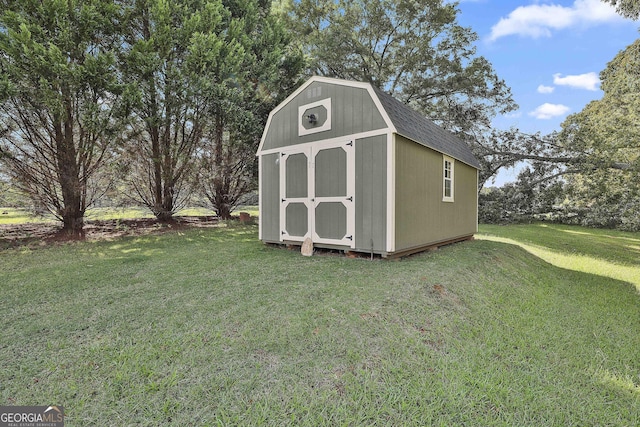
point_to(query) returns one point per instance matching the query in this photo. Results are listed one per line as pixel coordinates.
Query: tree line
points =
(150, 96)
(156, 100)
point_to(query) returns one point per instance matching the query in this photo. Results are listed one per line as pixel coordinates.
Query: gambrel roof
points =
(397, 117)
(412, 125)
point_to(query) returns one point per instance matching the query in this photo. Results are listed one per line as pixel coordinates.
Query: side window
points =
(447, 179)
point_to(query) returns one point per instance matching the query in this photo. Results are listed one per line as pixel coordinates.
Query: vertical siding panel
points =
(358, 101)
(339, 124)
(270, 198)
(379, 172)
(371, 201)
(363, 194)
(369, 113)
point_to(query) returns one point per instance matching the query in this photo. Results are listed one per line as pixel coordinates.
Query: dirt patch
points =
(43, 234)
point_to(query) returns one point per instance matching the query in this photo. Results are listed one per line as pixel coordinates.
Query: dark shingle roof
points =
(418, 128)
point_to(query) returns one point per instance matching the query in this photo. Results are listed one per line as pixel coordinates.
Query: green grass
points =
(607, 253)
(109, 213)
(210, 327)
(20, 216)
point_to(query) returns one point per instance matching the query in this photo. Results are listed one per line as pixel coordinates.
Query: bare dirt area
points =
(43, 234)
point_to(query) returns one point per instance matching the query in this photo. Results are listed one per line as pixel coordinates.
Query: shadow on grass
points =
(200, 241)
(606, 253)
(554, 315)
(611, 245)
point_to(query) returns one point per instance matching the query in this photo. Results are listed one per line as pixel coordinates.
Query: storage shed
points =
(350, 167)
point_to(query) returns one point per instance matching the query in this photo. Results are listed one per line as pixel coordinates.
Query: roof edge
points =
(453, 156)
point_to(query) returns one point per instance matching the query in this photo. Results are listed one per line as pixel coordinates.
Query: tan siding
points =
(422, 217)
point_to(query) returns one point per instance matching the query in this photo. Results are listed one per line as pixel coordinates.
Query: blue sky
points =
(550, 52)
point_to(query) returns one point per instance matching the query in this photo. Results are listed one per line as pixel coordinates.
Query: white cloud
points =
(588, 81)
(538, 20)
(545, 89)
(547, 111)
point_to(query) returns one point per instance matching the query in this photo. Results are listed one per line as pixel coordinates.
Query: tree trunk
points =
(72, 212)
(220, 182)
(164, 206)
(73, 225)
(161, 189)
(223, 211)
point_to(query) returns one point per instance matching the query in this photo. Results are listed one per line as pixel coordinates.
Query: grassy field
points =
(526, 326)
(20, 216)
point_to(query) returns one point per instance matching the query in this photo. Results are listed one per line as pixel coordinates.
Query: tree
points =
(181, 55)
(414, 50)
(597, 153)
(227, 173)
(526, 199)
(627, 8)
(417, 52)
(268, 72)
(604, 138)
(59, 100)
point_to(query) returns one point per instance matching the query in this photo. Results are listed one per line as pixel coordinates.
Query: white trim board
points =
(391, 193)
(327, 142)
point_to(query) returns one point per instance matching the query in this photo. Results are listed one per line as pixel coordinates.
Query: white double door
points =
(317, 189)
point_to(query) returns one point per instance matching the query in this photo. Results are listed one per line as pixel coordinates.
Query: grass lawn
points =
(526, 326)
(20, 216)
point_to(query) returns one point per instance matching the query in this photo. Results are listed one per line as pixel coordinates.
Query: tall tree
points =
(596, 154)
(604, 139)
(58, 100)
(181, 54)
(415, 50)
(269, 70)
(606, 133)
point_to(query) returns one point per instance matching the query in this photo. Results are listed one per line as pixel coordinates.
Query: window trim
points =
(326, 103)
(445, 178)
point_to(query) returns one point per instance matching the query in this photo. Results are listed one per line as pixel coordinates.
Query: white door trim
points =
(311, 201)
